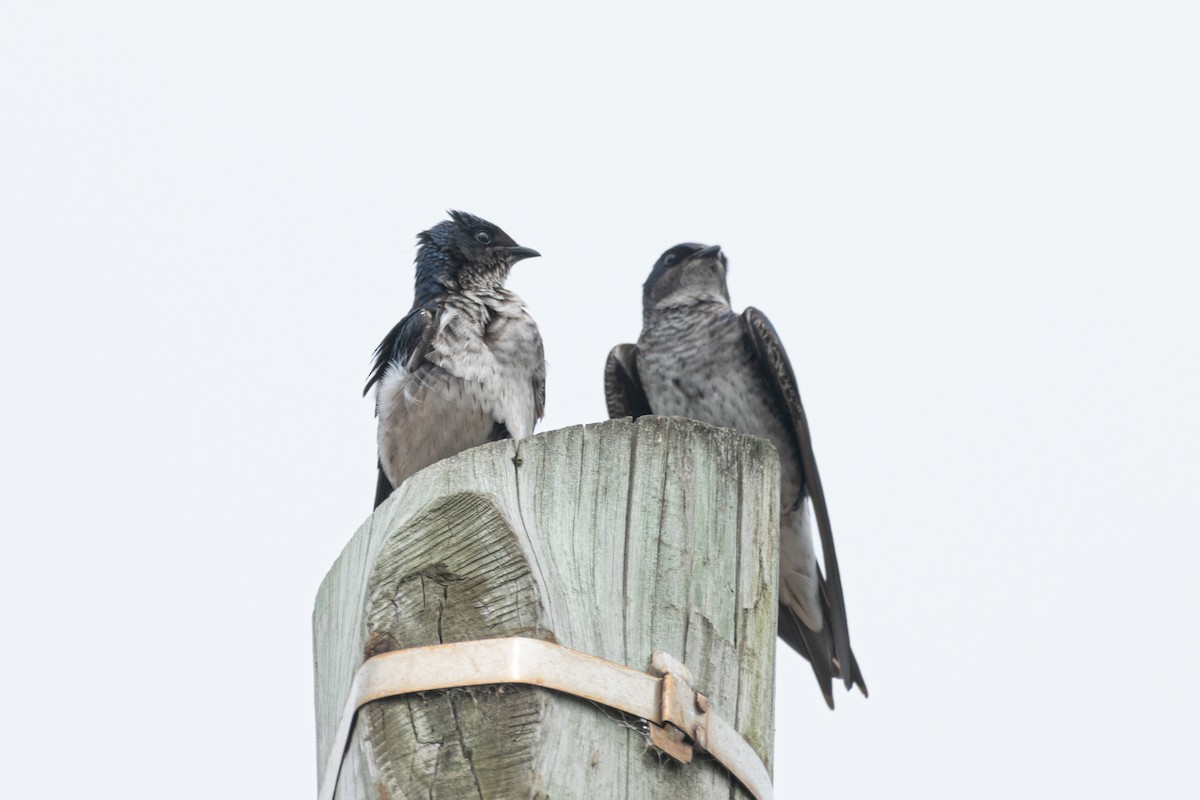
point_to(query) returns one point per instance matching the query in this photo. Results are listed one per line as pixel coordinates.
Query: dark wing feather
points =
(407, 344)
(383, 488)
(622, 385)
(813, 646)
(782, 380)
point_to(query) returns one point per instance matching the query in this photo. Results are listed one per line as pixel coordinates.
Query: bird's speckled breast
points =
(693, 363)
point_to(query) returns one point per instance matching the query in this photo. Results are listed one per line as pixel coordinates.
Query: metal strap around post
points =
(665, 699)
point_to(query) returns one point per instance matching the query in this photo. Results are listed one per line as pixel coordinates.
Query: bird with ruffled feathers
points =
(466, 365)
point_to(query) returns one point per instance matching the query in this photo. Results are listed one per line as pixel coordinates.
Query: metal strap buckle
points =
(684, 711)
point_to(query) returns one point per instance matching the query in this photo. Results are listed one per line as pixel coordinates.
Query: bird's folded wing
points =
(777, 369)
(406, 344)
(622, 385)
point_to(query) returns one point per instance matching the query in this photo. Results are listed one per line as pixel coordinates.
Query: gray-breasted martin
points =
(466, 365)
(696, 358)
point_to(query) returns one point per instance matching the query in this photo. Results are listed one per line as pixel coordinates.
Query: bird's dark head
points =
(687, 274)
(467, 252)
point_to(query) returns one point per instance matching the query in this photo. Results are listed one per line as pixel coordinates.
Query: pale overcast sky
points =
(975, 227)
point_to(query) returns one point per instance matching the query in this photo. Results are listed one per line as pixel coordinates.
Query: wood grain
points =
(617, 539)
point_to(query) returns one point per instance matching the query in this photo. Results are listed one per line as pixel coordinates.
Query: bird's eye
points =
(483, 237)
(669, 260)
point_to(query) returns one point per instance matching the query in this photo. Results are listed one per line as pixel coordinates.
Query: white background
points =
(975, 229)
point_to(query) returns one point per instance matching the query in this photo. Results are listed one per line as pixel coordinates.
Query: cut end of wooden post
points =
(617, 539)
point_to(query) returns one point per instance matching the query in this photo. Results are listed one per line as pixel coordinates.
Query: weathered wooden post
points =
(617, 539)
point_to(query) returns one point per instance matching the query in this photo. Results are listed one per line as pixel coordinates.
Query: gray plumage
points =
(466, 365)
(697, 358)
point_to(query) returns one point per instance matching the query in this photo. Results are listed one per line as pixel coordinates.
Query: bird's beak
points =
(515, 254)
(711, 250)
